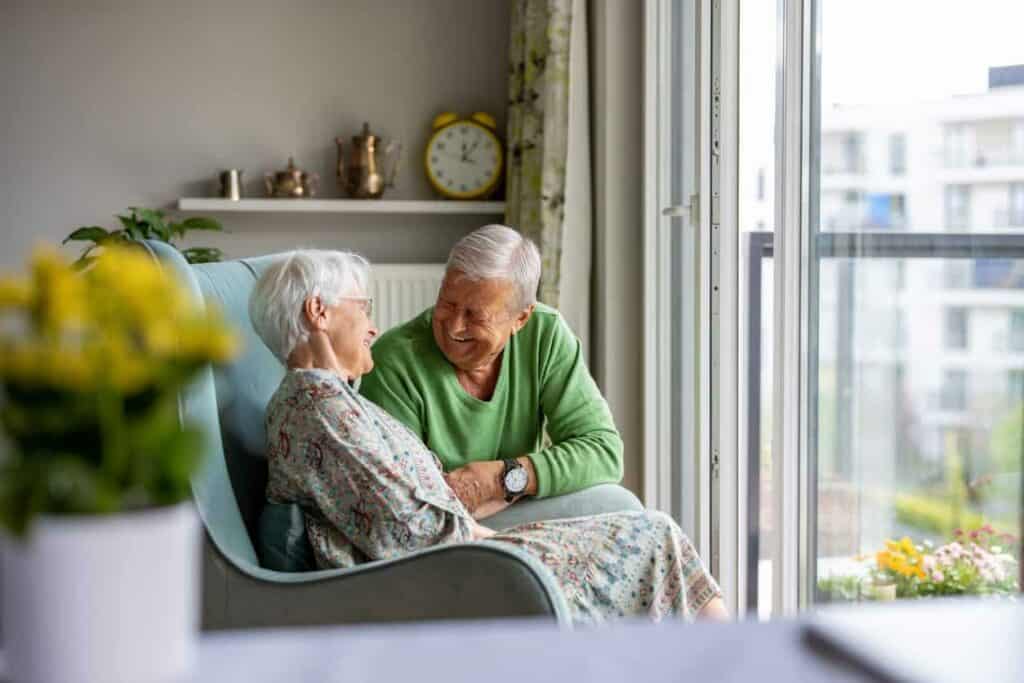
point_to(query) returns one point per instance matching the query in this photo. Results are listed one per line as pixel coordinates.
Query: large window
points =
(906, 400)
(834, 329)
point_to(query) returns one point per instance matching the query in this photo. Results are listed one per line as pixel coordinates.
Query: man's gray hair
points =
(277, 302)
(497, 252)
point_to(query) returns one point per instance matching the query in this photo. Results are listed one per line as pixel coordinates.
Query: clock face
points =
(464, 160)
(516, 480)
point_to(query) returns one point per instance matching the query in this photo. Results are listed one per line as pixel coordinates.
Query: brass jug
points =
(291, 183)
(364, 177)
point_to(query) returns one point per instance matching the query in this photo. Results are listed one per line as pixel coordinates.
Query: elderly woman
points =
(371, 490)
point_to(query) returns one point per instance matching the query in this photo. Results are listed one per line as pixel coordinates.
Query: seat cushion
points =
(282, 544)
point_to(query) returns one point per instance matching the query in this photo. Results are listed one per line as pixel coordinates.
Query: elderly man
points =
(484, 373)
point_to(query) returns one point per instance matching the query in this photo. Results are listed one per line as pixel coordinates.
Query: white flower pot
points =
(104, 598)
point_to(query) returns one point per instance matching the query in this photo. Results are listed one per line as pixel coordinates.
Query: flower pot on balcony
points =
(883, 591)
(103, 598)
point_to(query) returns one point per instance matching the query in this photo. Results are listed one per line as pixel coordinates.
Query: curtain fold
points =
(548, 141)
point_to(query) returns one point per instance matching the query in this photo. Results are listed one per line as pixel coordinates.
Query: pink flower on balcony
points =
(928, 563)
(937, 576)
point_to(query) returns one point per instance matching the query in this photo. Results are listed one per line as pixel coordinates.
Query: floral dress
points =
(371, 490)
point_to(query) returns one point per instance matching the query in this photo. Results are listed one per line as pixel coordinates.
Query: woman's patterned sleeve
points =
(371, 493)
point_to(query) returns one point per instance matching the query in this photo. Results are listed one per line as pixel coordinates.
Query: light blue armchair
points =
(467, 581)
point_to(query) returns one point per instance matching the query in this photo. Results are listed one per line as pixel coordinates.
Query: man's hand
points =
(477, 483)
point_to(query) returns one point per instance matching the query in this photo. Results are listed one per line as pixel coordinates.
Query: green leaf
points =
(202, 223)
(133, 229)
(151, 216)
(92, 233)
(203, 254)
(153, 223)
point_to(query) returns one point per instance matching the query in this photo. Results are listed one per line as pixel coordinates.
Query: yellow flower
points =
(884, 559)
(14, 293)
(60, 293)
(124, 322)
(907, 546)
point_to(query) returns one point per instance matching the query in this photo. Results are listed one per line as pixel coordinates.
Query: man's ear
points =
(524, 317)
(315, 313)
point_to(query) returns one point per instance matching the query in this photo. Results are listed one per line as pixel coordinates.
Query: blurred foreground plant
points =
(91, 362)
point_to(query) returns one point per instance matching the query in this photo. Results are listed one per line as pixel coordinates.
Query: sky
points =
(875, 51)
(914, 50)
(891, 51)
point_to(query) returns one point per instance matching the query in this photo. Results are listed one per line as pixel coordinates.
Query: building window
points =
(1017, 149)
(1016, 217)
(885, 211)
(998, 273)
(957, 273)
(852, 161)
(760, 184)
(953, 396)
(955, 336)
(1015, 385)
(1017, 330)
(898, 153)
(958, 205)
(957, 146)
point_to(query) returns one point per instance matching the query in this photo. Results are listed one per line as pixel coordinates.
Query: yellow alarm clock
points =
(464, 158)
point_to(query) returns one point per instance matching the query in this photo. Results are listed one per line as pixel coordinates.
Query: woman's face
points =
(350, 333)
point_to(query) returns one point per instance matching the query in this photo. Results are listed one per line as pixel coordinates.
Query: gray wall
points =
(617, 95)
(107, 104)
(118, 103)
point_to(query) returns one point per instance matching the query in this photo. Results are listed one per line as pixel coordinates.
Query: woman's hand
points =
(480, 532)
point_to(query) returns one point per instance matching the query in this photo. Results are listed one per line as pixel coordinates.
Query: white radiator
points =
(401, 291)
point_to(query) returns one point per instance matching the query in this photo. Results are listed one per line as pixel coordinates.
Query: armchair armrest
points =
(482, 580)
(596, 500)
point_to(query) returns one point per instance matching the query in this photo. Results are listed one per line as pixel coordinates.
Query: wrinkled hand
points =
(478, 484)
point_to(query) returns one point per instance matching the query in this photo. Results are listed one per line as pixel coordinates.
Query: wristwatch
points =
(514, 479)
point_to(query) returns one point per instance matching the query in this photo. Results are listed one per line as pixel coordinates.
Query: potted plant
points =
(100, 542)
(147, 224)
(978, 562)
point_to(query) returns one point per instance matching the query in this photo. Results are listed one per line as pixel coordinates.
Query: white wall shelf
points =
(358, 206)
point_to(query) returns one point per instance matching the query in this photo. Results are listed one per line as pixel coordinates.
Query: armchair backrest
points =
(229, 405)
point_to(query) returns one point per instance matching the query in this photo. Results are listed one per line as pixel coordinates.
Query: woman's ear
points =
(315, 313)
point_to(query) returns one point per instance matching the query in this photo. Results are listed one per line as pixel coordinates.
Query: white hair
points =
(497, 252)
(277, 302)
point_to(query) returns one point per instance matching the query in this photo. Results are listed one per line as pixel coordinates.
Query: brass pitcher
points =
(364, 176)
(291, 183)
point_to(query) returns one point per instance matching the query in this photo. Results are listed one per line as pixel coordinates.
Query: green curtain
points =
(538, 121)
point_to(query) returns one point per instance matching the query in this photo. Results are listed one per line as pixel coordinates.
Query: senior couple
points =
(446, 428)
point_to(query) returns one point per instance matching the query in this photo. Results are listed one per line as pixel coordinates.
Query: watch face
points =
(464, 160)
(515, 481)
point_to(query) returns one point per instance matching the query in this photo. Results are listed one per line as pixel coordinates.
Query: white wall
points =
(111, 103)
(617, 96)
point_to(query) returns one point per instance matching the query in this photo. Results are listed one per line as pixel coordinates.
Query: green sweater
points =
(543, 385)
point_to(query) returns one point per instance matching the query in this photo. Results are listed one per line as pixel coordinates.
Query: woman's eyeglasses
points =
(366, 301)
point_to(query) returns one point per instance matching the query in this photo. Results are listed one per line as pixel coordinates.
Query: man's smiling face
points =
(474, 319)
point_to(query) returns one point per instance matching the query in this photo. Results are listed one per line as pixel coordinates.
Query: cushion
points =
(283, 545)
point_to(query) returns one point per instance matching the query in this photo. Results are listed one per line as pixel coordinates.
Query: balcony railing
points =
(843, 246)
(984, 159)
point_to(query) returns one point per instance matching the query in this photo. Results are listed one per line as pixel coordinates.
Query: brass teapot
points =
(291, 183)
(364, 176)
